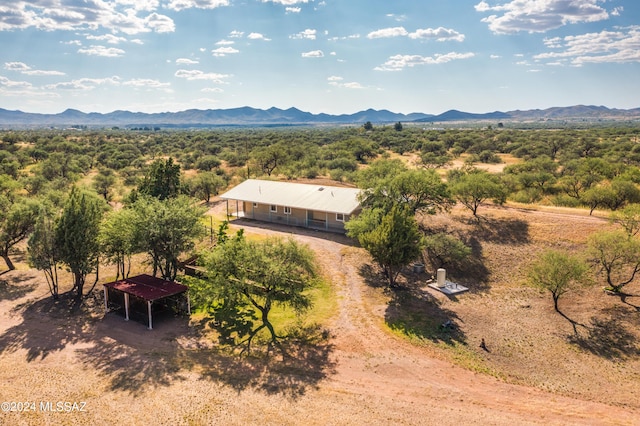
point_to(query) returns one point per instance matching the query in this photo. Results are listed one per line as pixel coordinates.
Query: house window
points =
(287, 210)
(339, 217)
(255, 205)
(273, 208)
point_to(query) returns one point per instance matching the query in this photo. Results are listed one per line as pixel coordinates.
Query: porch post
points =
(326, 221)
(188, 304)
(106, 299)
(126, 306)
(149, 309)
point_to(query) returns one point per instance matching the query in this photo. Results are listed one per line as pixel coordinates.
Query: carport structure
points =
(143, 292)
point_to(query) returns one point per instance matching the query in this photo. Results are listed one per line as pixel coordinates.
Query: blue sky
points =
(332, 56)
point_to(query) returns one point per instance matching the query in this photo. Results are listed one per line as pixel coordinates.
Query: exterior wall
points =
(297, 217)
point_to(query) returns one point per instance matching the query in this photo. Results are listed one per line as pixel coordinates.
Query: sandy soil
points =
(363, 374)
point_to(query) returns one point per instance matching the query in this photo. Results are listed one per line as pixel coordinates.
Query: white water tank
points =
(441, 278)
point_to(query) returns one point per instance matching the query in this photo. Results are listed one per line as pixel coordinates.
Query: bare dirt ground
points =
(533, 372)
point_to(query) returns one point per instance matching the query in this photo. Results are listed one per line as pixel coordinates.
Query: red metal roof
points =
(147, 287)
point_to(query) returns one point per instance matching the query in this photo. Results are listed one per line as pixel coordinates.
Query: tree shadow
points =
(49, 326)
(418, 314)
(624, 299)
(304, 362)
(9, 290)
(473, 273)
(501, 231)
(414, 311)
(607, 338)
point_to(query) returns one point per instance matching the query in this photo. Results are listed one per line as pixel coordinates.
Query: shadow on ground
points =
(607, 338)
(415, 312)
(14, 287)
(135, 359)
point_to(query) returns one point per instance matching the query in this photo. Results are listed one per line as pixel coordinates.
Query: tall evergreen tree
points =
(77, 236)
(162, 181)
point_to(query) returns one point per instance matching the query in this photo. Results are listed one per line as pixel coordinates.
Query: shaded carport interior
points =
(141, 296)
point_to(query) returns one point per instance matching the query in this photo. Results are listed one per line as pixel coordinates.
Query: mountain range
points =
(247, 116)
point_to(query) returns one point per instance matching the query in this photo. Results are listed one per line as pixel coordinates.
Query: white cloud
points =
(85, 84)
(439, 34)
(286, 2)
(540, 15)
(186, 61)
(160, 23)
(399, 62)
(313, 54)
(257, 36)
(306, 34)
(618, 46)
(388, 32)
(11, 84)
(145, 82)
(495, 56)
(224, 51)
(292, 9)
(397, 18)
(193, 75)
(108, 38)
(178, 5)
(225, 43)
(337, 81)
(110, 52)
(16, 66)
(120, 16)
(212, 90)
(236, 34)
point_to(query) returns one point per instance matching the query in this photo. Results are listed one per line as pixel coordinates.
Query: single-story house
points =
(320, 207)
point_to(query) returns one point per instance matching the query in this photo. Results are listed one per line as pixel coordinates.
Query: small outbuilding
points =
(142, 296)
(322, 207)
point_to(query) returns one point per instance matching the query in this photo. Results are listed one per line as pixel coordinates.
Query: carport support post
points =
(106, 300)
(149, 309)
(188, 304)
(126, 306)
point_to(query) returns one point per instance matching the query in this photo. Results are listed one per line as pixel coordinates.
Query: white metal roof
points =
(323, 198)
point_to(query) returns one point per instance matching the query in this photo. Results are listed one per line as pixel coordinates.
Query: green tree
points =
(444, 250)
(103, 182)
(117, 240)
(76, 236)
(206, 184)
(475, 187)
(398, 126)
(367, 126)
(165, 229)
(618, 256)
(43, 252)
(419, 190)
(16, 222)
(393, 243)
(628, 218)
(245, 277)
(557, 272)
(162, 180)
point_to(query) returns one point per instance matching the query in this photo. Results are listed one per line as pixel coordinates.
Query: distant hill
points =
(195, 117)
(555, 113)
(247, 116)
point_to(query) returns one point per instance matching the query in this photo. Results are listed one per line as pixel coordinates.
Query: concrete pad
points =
(450, 288)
